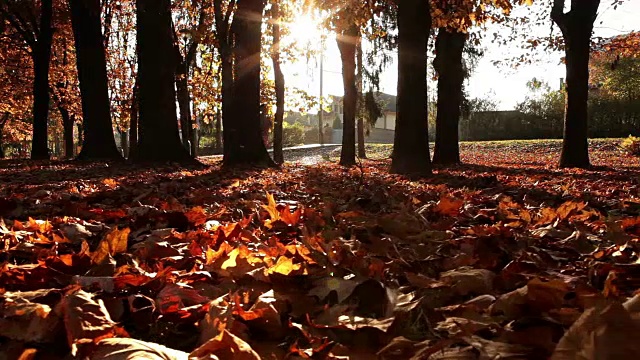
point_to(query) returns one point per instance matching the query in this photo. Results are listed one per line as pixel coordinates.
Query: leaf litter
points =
(483, 261)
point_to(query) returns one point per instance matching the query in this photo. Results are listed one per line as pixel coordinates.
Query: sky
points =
(503, 84)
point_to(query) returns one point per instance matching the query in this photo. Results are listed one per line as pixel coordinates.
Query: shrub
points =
(337, 124)
(631, 145)
(292, 134)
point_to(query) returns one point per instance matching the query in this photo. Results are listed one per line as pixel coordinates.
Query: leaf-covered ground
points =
(503, 257)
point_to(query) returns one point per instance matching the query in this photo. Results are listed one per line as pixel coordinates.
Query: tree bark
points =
(133, 122)
(3, 122)
(41, 59)
(347, 46)
(359, 63)
(67, 126)
(158, 133)
(278, 154)
(448, 65)
(99, 143)
(223, 36)
(243, 135)
(218, 131)
(184, 103)
(411, 142)
(576, 26)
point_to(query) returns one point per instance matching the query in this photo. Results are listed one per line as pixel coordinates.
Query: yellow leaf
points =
(231, 261)
(271, 208)
(284, 266)
(114, 243)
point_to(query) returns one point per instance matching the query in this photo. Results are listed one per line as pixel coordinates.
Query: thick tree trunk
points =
(347, 46)
(243, 134)
(411, 142)
(576, 27)
(67, 126)
(41, 59)
(448, 64)
(278, 155)
(575, 147)
(158, 133)
(133, 122)
(184, 104)
(359, 63)
(99, 143)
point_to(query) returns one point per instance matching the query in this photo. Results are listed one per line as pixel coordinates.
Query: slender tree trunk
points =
(79, 130)
(359, 63)
(243, 135)
(411, 142)
(227, 96)
(576, 26)
(41, 60)
(184, 103)
(3, 122)
(99, 142)
(158, 131)
(448, 64)
(278, 155)
(133, 122)
(67, 126)
(218, 131)
(347, 46)
(124, 142)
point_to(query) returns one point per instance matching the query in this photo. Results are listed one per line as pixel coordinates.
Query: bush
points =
(337, 124)
(292, 134)
(631, 145)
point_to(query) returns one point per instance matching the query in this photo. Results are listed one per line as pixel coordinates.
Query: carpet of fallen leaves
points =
(504, 257)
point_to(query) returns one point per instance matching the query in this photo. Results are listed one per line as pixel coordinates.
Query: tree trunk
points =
(41, 59)
(243, 134)
(133, 122)
(67, 126)
(184, 103)
(448, 64)
(347, 46)
(411, 142)
(359, 63)
(278, 155)
(124, 142)
(3, 122)
(158, 133)
(576, 27)
(79, 129)
(227, 97)
(99, 143)
(219, 131)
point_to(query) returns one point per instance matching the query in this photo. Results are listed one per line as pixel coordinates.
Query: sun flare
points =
(305, 30)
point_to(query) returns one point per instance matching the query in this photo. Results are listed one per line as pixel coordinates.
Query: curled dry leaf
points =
(469, 281)
(225, 346)
(132, 349)
(86, 319)
(604, 332)
(113, 243)
(23, 320)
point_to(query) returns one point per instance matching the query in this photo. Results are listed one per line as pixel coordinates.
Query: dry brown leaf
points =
(23, 320)
(132, 349)
(225, 346)
(604, 332)
(469, 281)
(86, 319)
(115, 242)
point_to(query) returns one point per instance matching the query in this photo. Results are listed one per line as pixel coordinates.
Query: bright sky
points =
(506, 85)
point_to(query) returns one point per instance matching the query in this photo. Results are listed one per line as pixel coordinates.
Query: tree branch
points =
(558, 16)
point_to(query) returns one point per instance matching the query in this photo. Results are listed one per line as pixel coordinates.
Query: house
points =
(382, 131)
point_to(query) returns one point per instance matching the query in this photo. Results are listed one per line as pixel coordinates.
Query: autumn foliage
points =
(483, 260)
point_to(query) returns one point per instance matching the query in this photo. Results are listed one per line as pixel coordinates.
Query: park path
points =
(309, 154)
